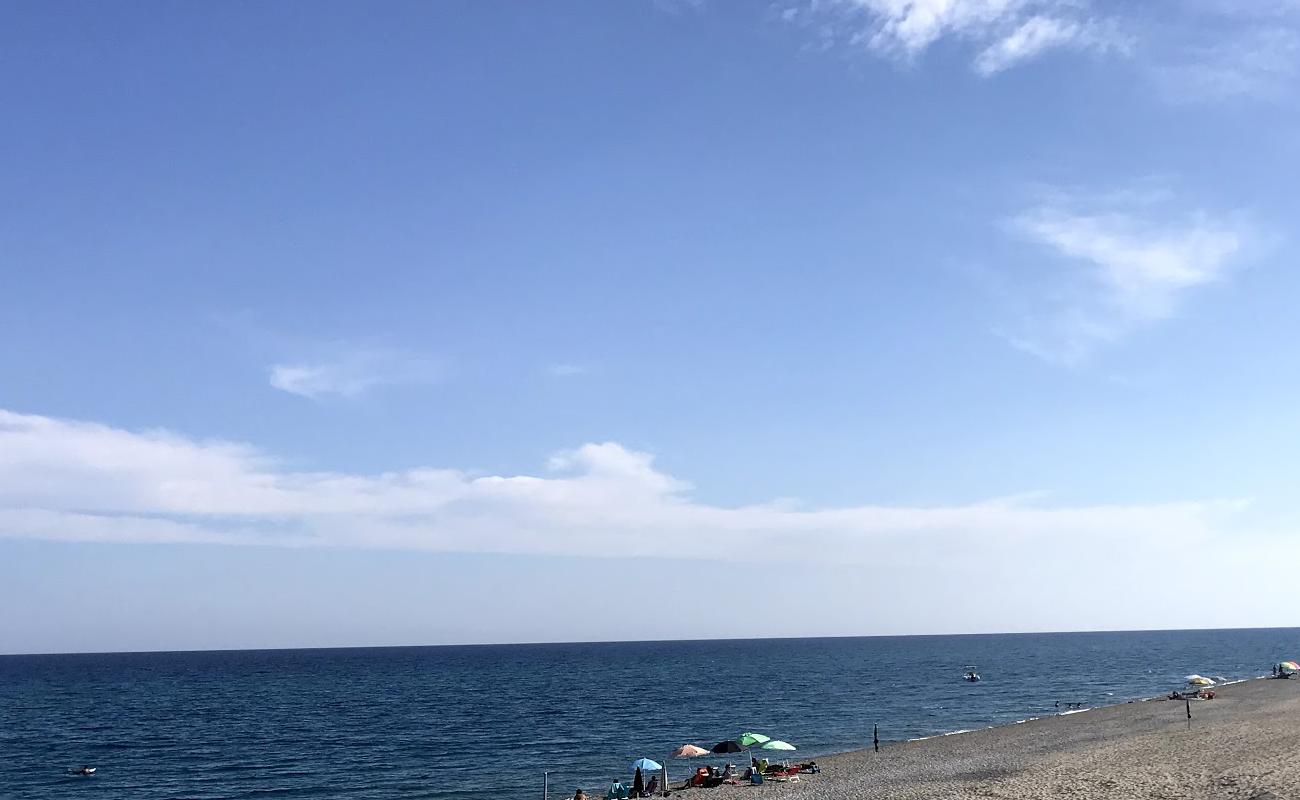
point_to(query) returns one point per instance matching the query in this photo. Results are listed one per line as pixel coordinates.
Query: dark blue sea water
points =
(470, 722)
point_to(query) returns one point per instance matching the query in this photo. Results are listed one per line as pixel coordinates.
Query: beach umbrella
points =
(748, 740)
(646, 765)
(685, 751)
(689, 751)
(1288, 666)
(777, 744)
(726, 747)
(1199, 680)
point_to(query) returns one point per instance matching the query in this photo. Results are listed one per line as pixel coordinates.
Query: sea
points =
(491, 721)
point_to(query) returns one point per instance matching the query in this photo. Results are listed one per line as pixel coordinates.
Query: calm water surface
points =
(471, 722)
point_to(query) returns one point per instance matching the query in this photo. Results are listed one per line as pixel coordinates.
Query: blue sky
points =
(324, 320)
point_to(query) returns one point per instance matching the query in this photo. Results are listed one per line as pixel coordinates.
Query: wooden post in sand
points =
(875, 736)
(1188, 700)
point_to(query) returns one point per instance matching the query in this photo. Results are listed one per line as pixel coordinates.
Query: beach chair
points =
(696, 780)
(617, 792)
(755, 777)
(784, 775)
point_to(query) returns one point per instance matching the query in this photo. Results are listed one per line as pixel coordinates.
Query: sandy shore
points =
(1245, 743)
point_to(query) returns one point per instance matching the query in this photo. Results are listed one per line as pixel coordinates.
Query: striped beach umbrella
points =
(1288, 666)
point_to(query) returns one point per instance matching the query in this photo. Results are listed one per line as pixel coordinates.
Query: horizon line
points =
(640, 641)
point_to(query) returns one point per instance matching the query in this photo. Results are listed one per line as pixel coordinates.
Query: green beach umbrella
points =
(751, 739)
(777, 744)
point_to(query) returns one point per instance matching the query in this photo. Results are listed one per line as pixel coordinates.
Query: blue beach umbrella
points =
(646, 765)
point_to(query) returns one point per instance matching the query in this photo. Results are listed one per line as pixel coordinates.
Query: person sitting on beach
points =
(651, 786)
(579, 795)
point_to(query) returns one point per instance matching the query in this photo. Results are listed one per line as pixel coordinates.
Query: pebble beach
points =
(1244, 743)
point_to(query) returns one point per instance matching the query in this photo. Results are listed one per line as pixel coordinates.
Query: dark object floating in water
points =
(84, 771)
(971, 676)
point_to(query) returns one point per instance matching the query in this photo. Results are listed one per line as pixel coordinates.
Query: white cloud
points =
(350, 374)
(78, 481)
(1126, 261)
(1005, 32)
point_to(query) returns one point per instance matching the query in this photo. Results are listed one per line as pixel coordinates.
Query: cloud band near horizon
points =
(80, 481)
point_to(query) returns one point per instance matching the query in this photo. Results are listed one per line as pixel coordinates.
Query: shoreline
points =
(1244, 743)
(1153, 698)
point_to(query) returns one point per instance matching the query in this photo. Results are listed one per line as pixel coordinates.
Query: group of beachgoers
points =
(761, 770)
(707, 777)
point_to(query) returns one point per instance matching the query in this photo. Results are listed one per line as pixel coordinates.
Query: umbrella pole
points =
(546, 785)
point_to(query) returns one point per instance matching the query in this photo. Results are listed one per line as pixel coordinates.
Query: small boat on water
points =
(84, 771)
(971, 675)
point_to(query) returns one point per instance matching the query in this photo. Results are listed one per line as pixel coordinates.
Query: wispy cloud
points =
(1257, 61)
(350, 373)
(79, 481)
(1004, 33)
(1191, 52)
(1212, 51)
(1123, 261)
(678, 6)
(566, 370)
(1041, 33)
